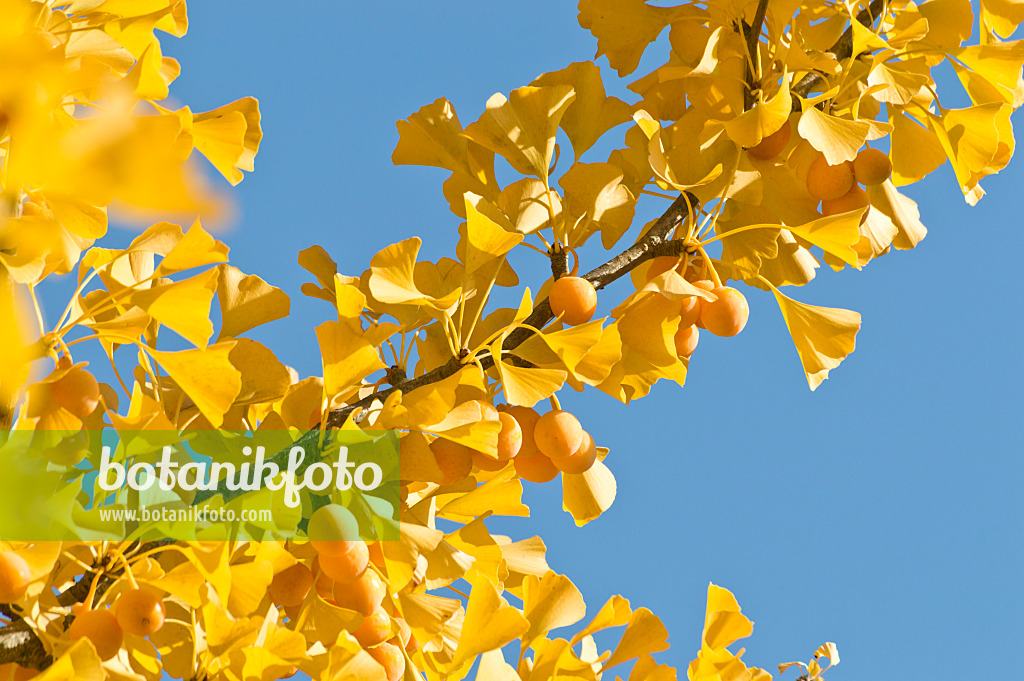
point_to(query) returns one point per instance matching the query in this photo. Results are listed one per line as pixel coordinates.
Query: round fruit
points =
(872, 166)
(689, 310)
(454, 460)
(855, 199)
(527, 419)
(537, 468)
(140, 612)
(707, 285)
(363, 595)
(375, 628)
(330, 529)
(391, 658)
(686, 340)
(826, 182)
(14, 576)
(727, 315)
(323, 584)
(574, 298)
(100, 627)
(581, 460)
(291, 585)
(771, 145)
(510, 439)
(77, 391)
(558, 434)
(346, 565)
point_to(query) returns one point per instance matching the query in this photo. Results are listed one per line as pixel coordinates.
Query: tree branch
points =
(842, 49)
(655, 242)
(753, 36)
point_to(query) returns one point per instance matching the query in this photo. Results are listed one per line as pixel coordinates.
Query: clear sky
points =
(882, 512)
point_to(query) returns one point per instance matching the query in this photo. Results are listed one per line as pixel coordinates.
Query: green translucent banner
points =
(201, 485)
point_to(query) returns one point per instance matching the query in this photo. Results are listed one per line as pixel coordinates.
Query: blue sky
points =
(882, 512)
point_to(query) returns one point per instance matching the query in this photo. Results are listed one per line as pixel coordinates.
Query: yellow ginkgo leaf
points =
(765, 118)
(183, 306)
(246, 301)
(950, 21)
(834, 234)
(625, 29)
(393, 278)
(645, 634)
(486, 241)
(527, 386)
(522, 127)
(493, 667)
(78, 663)
(229, 136)
(207, 376)
(839, 139)
(264, 377)
(195, 249)
(550, 602)
(525, 203)
(592, 113)
(595, 191)
(614, 613)
(490, 623)
(348, 355)
(915, 151)
(587, 495)
(432, 137)
(823, 336)
(501, 495)
(902, 211)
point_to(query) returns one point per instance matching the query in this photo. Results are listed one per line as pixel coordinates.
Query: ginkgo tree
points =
(773, 137)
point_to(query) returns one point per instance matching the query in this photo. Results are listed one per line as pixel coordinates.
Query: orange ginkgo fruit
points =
(140, 612)
(872, 166)
(454, 460)
(331, 528)
(536, 468)
(290, 586)
(581, 460)
(727, 315)
(510, 439)
(100, 627)
(855, 199)
(527, 419)
(348, 564)
(574, 298)
(77, 391)
(686, 340)
(826, 182)
(772, 145)
(391, 658)
(558, 434)
(14, 576)
(364, 595)
(707, 285)
(376, 628)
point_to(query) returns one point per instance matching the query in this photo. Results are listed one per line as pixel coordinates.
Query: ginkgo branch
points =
(654, 243)
(752, 36)
(842, 49)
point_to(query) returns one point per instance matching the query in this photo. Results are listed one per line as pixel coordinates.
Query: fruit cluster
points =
(837, 187)
(342, 575)
(137, 611)
(725, 316)
(539, 446)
